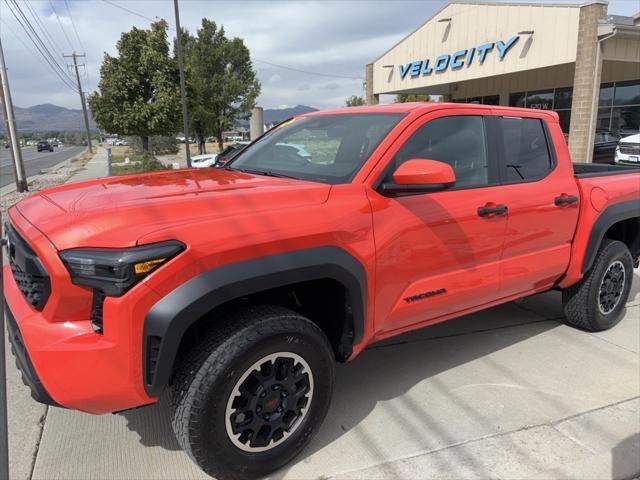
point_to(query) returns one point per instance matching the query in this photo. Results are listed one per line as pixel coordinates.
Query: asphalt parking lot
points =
(509, 392)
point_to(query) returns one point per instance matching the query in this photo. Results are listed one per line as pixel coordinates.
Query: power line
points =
(39, 44)
(39, 22)
(113, 4)
(293, 69)
(73, 24)
(320, 74)
(60, 23)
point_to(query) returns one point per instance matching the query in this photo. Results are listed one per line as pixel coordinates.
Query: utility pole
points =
(10, 122)
(84, 104)
(183, 92)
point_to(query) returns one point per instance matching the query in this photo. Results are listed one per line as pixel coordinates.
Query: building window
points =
(486, 100)
(517, 99)
(606, 95)
(563, 98)
(540, 100)
(491, 100)
(627, 93)
(556, 99)
(619, 110)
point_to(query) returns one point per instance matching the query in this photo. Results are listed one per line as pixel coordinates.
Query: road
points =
(34, 162)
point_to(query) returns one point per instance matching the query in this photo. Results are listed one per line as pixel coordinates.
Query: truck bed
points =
(586, 170)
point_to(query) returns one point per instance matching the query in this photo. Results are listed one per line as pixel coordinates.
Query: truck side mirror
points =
(420, 175)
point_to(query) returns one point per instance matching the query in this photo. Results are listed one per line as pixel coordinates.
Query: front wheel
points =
(251, 395)
(597, 302)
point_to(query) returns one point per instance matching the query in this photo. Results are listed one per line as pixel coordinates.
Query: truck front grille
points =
(630, 148)
(28, 272)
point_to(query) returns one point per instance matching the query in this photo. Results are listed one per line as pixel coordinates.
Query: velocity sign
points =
(457, 59)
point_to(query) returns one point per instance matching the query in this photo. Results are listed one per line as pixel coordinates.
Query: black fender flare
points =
(167, 321)
(609, 217)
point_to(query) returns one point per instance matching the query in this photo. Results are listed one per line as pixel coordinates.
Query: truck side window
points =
(525, 149)
(456, 140)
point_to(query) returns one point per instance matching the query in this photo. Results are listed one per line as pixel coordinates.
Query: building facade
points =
(573, 59)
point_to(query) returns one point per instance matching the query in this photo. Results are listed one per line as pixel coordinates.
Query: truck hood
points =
(631, 139)
(117, 211)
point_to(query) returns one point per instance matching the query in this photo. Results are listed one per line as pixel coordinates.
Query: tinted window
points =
(322, 148)
(458, 141)
(627, 93)
(541, 100)
(516, 99)
(606, 95)
(563, 98)
(525, 147)
(491, 100)
(564, 117)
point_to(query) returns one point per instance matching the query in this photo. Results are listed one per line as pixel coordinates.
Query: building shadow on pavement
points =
(391, 368)
(625, 458)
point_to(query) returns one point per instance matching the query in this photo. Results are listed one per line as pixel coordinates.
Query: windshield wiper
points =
(267, 173)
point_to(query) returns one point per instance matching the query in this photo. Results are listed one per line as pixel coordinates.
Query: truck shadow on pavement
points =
(625, 458)
(391, 368)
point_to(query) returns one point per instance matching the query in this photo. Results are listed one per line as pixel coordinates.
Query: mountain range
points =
(47, 117)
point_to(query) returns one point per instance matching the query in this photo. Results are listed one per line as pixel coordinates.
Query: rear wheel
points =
(250, 396)
(598, 301)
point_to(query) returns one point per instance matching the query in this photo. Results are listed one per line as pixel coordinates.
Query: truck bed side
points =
(608, 201)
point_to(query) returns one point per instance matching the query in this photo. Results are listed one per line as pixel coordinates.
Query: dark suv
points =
(44, 146)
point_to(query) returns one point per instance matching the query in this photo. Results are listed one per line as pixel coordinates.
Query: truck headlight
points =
(114, 271)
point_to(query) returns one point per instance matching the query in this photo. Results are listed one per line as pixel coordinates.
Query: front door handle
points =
(488, 211)
(565, 199)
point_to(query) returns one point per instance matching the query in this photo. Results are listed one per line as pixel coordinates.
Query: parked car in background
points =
(230, 152)
(121, 143)
(628, 151)
(44, 145)
(203, 161)
(604, 147)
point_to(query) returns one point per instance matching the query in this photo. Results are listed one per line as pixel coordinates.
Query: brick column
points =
(370, 97)
(586, 83)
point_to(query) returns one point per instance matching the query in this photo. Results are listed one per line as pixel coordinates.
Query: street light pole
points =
(183, 91)
(21, 178)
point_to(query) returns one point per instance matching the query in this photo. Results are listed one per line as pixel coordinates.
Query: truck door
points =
(438, 253)
(541, 194)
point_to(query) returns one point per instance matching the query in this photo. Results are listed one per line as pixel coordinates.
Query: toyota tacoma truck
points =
(236, 290)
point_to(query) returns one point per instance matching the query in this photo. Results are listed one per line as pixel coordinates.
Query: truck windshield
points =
(322, 148)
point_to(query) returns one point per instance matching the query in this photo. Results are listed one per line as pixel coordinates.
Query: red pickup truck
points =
(237, 289)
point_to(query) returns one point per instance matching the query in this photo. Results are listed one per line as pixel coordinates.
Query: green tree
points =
(411, 97)
(138, 90)
(221, 83)
(354, 101)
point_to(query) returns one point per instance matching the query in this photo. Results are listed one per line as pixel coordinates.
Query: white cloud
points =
(275, 78)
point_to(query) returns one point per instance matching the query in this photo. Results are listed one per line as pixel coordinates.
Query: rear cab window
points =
(526, 153)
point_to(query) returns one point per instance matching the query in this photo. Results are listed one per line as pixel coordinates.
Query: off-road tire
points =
(205, 379)
(581, 301)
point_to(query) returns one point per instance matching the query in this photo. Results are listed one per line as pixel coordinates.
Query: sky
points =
(329, 40)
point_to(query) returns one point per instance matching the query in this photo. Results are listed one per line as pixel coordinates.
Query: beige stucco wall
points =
(543, 78)
(623, 49)
(553, 43)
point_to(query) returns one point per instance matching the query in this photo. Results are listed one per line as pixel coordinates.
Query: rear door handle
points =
(488, 211)
(565, 200)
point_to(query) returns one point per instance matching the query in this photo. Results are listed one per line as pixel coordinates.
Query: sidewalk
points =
(509, 393)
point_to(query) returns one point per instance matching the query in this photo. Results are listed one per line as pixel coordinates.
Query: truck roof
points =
(427, 106)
